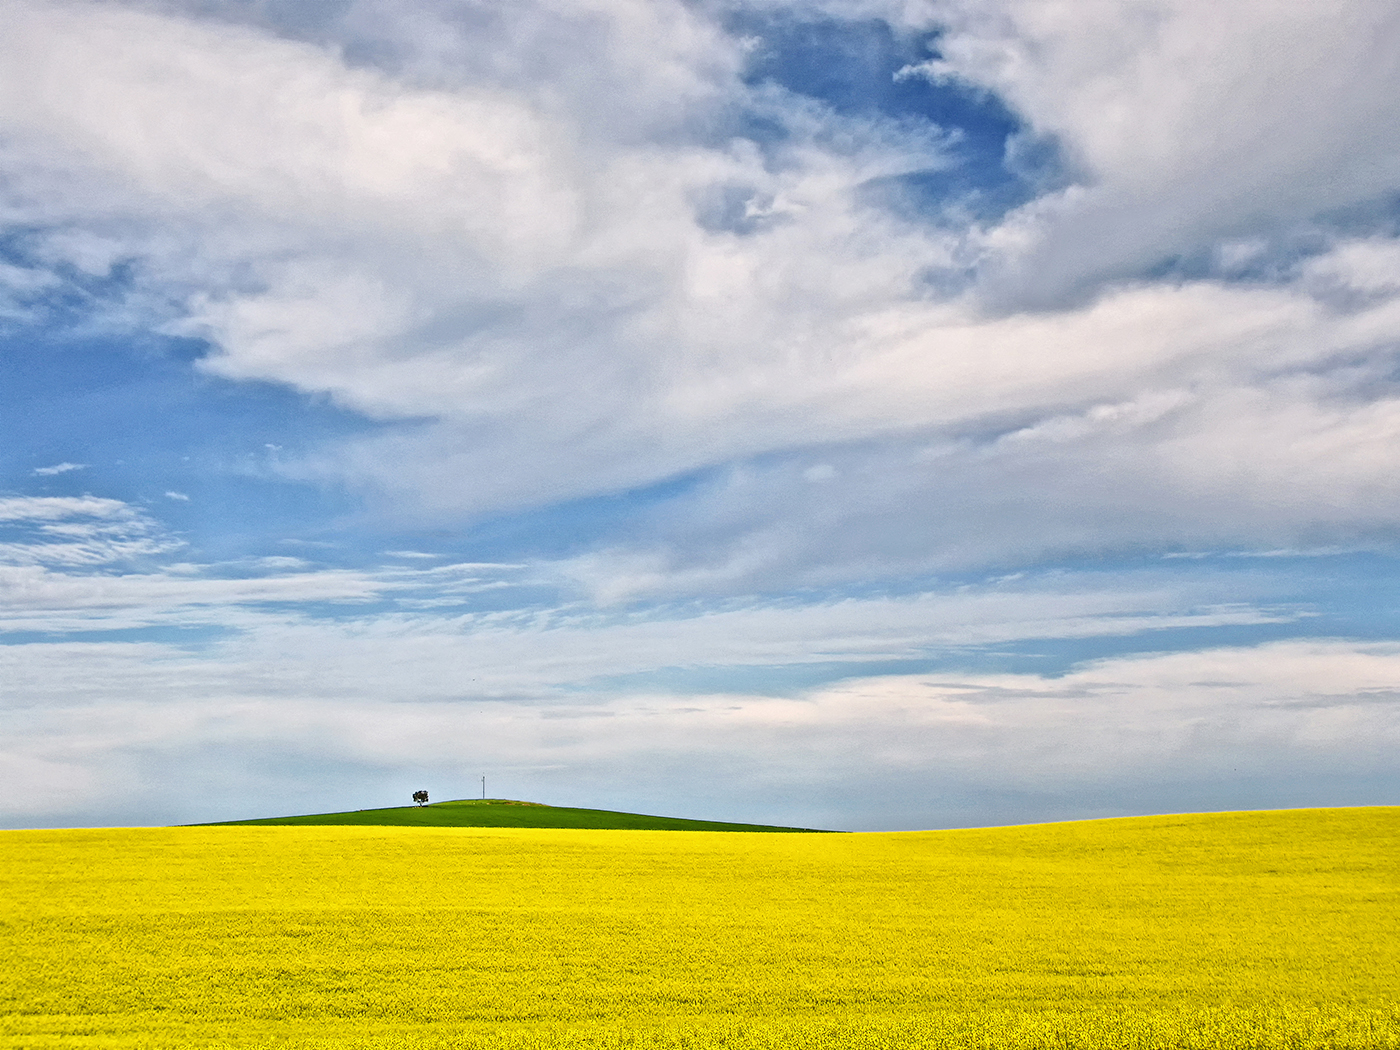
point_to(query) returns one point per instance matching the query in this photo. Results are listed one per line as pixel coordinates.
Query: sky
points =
(859, 414)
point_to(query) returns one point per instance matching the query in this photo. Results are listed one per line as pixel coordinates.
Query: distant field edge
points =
(1183, 814)
(507, 813)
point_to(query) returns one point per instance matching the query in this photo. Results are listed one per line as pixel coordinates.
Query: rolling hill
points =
(507, 813)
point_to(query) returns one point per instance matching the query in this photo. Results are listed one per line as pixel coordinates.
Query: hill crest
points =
(509, 813)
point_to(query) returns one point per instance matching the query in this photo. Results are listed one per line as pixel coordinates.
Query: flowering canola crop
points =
(1276, 929)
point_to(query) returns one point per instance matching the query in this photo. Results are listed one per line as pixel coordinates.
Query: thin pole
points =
(483, 789)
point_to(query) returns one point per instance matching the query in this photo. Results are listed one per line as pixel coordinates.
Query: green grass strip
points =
(506, 813)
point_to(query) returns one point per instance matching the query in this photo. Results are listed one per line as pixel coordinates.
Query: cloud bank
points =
(1144, 734)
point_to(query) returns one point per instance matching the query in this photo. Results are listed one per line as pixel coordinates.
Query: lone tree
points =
(421, 797)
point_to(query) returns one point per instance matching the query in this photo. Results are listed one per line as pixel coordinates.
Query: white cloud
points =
(78, 532)
(1287, 723)
(91, 564)
(431, 638)
(59, 468)
(21, 289)
(86, 584)
(54, 508)
(568, 698)
(180, 496)
(1190, 123)
(38, 599)
(513, 243)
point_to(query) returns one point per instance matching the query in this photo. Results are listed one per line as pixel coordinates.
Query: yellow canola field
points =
(1275, 929)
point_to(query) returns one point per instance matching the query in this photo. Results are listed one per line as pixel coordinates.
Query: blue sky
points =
(847, 413)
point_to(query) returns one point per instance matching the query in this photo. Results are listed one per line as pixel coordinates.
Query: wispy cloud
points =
(79, 532)
(55, 508)
(59, 468)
